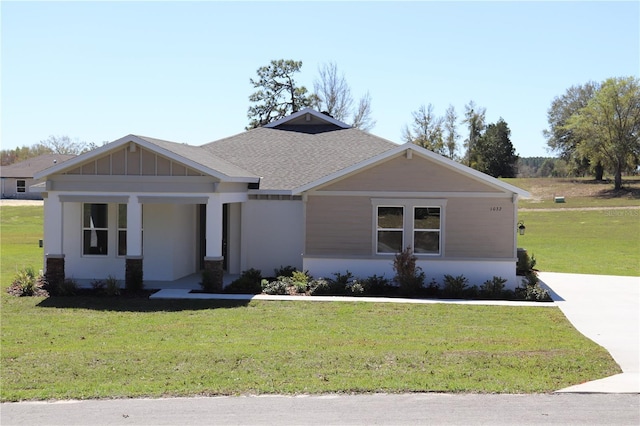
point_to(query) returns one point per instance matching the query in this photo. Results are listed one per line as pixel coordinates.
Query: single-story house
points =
(17, 179)
(306, 191)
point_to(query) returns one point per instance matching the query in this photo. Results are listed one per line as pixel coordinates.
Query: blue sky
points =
(97, 71)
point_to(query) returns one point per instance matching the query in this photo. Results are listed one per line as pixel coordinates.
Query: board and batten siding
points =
(338, 226)
(140, 162)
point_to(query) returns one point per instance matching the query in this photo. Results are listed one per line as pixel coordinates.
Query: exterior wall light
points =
(521, 228)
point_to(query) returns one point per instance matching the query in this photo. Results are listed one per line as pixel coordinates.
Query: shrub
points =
(68, 287)
(27, 283)
(432, 289)
(98, 286)
(409, 277)
(376, 285)
(493, 288)
(284, 271)
(454, 287)
(249, 282)
(112, 287)
(280, 286)
(531, 289)
(320, 286)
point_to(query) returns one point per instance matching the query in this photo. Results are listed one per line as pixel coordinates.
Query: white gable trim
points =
(408, 149)
(96, 153)
(313, 112)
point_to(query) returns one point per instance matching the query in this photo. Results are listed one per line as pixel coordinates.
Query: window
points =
(21, 186)
(390, 229)
(402, 223)
(95, 232)
(426, 230)
(122, 229)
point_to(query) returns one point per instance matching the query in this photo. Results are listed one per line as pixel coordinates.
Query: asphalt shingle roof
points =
(200, 156)
(29, 167)
(288, 156)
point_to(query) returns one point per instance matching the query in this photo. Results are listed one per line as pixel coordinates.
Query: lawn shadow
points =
(138, 304)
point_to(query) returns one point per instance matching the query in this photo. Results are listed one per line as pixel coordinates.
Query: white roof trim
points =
(77, 161)
(460, 168)
(311, 111)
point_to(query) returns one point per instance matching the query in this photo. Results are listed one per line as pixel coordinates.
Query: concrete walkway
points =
(606, 309)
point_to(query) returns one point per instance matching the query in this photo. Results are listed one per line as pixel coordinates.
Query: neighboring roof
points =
(189, 155)
(289, 156)
(28, 168)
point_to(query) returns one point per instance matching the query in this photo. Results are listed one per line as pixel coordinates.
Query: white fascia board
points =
(460, 168)
(311, 111)
(80, 159)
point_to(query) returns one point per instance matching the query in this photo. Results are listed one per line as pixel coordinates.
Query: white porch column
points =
(134, 227)
(213, 260)
(214, 228)
(53, 225)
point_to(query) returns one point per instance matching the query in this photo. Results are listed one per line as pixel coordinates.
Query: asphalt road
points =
(374, 409)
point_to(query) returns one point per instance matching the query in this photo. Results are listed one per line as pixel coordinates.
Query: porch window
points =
(21, 185)
(390, 229)
(95, 231)
(426, 230)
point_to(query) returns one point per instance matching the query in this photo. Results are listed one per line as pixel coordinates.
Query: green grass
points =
(603, 242)
(578, 192)
(84, 347)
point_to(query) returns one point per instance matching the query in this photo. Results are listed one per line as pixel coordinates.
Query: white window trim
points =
(409, 204)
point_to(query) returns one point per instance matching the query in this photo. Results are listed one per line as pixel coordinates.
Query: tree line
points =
(51, 145)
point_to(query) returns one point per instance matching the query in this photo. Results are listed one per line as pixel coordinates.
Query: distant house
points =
(17, 178)
(306, 191)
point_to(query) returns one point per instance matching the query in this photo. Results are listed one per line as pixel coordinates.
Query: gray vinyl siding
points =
(406, 175)
(338, 226)
(480, 228)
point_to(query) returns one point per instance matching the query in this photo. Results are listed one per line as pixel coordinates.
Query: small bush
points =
(376, 285)
(432, 289)
(409, 277)
(281, 286)
(68, 287)
(112, 287)
(284, 271)
(27, 283)
(98, 286)
(320, 287)
(493, 288)
(531, 289)
(249, 282)
(454, 287)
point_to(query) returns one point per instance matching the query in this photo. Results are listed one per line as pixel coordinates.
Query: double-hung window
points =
(426, 230)
(408, 223)
(95, 229)
(390, 238)
(21, 185)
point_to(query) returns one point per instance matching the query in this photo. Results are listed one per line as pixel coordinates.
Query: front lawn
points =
(91, 347)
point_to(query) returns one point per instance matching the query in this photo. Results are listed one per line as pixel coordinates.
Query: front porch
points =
(189, 282)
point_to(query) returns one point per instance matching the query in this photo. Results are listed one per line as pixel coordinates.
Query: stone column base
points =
(133, 273)
(213, 273)
(54, 272)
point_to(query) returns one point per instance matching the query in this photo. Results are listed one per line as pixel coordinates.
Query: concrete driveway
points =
(606, 309)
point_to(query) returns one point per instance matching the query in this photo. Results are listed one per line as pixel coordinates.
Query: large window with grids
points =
(408, 223)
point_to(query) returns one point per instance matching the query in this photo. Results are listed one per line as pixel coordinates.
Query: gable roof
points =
(189, 155)
(29, 167)
(411, 148)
